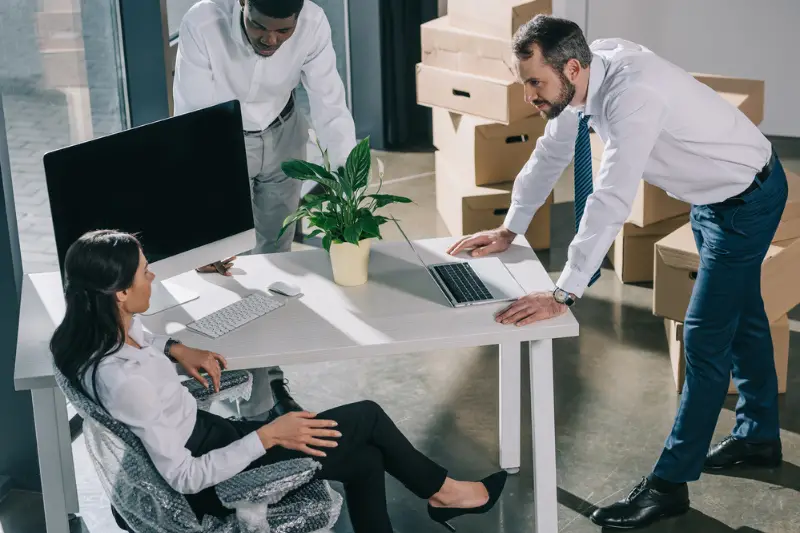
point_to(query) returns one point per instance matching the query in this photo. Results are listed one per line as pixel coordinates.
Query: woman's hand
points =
(196, 361)
(299, 431)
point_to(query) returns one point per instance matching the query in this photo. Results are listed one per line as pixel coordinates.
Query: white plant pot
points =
(350, 263)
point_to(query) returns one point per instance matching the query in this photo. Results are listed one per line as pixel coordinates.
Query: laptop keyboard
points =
(462, 282)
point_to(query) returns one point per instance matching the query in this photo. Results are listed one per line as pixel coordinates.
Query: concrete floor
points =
(615, 403)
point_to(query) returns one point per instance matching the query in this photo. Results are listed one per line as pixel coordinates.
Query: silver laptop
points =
(478, 281)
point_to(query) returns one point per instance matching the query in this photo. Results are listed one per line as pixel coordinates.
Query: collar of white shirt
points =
(136, 332)
(237, 31)
(597, 75)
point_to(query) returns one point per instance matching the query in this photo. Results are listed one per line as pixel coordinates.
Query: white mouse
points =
(285, 288)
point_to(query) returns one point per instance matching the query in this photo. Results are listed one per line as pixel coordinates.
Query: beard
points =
(565, 96)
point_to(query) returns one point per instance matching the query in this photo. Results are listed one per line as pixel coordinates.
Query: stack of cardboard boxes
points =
(482, 127)
(676, 264)
(655, 214)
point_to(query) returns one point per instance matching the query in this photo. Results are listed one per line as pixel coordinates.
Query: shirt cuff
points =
(253, 446)
(572, 281)
(159, 342)
(517, 220)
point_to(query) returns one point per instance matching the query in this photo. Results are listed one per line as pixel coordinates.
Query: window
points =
(61, 84)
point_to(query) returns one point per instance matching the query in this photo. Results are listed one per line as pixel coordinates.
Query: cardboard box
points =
(779, 331)
(497, 100)
(789, 227)
(633, 250)
(498, 18)
(467, 208)
(677, 261)
(446, 47)
(746, 94)
(484, 152)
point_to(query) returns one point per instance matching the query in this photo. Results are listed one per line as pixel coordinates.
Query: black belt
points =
(761, 177)
(282, 117)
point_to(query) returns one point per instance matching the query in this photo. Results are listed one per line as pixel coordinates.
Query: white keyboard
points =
(235, 315)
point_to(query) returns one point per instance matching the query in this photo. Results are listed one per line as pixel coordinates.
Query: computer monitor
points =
(181, 184)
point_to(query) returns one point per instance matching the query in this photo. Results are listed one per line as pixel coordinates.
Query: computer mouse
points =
(285, 288)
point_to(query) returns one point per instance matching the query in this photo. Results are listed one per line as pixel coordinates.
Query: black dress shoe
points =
(643, 506)
(284, 403)
(732, 452)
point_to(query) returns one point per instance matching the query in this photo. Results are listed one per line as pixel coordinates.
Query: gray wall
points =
(18, 443)
(728, 37)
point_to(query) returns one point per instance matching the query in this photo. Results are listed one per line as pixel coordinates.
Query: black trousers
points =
(370, 446)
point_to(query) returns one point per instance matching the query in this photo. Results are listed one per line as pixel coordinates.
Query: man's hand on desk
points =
(531, 308)
(484, 243)
(196, 361)
(220, 267)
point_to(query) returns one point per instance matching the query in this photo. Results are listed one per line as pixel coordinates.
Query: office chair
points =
(279, 498)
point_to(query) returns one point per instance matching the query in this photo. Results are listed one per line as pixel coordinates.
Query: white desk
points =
(400, 310)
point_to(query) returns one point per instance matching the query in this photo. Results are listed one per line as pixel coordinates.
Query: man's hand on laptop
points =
(219, 267)
(534, 307)
(484, 243)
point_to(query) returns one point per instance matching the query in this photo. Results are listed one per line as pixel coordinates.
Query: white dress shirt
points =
(141, 389)
(658, 124)
(216, 63)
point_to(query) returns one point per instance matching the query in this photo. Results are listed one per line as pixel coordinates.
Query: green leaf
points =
(358, 165)
(352, 234)
(370, 226)
(315, 233)
(386, 199)
(305, 171)
(326, 243)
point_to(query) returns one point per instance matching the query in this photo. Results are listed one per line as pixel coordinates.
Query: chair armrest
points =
(233, 385)
(267, 484)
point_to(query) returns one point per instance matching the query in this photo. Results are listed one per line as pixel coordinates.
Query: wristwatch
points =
(168, 346)
(563, 297)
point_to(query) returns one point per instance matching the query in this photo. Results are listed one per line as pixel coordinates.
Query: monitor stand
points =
(167, 294)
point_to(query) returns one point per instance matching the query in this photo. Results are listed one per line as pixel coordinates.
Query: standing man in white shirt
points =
(257, 52)
(661, 125)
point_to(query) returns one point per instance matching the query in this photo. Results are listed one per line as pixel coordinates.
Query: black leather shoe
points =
(284, 403)
(643, 506)
(733, 452)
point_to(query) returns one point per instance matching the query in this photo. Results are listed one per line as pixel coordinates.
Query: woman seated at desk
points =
(102, 349)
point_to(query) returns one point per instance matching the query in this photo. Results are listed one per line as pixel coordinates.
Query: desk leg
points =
(53, 442)
(545, 482)
(510, 408)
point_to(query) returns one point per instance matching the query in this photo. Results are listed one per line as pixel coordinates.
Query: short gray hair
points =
(559, 40)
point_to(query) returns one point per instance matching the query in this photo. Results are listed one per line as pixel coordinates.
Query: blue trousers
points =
(726, 329)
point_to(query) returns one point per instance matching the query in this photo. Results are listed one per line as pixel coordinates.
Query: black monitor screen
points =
(178, 183)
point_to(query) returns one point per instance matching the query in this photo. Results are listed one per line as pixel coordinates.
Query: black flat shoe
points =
(284, 403)
(643, 506)
(494, 486)
(732, 452)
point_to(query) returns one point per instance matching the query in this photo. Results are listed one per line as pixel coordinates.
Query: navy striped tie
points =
(583, 174)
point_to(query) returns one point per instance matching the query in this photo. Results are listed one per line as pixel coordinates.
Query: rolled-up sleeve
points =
(635, 118)
(536, 180)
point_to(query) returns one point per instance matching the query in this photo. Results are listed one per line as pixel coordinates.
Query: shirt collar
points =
(237, 32)
(597, 75)
(136, 332)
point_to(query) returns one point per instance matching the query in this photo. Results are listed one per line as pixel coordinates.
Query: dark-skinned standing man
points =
(658, 124)
(257, 52)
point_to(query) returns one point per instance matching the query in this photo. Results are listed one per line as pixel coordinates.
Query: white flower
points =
(313, 136)
(380, 167)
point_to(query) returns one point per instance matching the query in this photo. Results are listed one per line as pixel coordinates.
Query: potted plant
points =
(343, 213)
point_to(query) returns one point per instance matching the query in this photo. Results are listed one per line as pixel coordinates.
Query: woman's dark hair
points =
(96, 267)
(277, 9)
